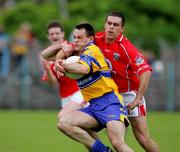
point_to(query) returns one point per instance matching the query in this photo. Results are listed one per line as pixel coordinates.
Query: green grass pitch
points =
(35, 131)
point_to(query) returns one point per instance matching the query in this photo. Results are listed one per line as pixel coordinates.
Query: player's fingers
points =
(60, 74)
(68, 48)
(131, 106)
(129, 110)
(58, 66)
(60, 69)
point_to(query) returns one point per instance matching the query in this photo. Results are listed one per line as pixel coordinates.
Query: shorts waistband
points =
(104, 95)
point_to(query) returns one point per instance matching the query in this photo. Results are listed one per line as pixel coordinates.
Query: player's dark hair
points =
(116, 14)
(55, 24)
(88, 28)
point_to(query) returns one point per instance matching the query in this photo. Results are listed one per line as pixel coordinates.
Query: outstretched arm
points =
(57, 51)
(66, 50)
(51, 52)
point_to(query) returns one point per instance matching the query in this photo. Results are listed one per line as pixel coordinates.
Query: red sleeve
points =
(136, 59)
(53, 70)
(71, 43)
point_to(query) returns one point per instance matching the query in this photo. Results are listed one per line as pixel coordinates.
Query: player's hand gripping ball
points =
(72, 59)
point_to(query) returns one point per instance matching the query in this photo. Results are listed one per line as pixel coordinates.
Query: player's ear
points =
(122, 28)
(91, 38)
(48, 37)
(63, 34)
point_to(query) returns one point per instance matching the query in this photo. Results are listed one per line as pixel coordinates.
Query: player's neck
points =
(61, 41)
(109, 41)
(78, 53)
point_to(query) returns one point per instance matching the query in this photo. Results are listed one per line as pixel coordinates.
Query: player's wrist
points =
(138, 96)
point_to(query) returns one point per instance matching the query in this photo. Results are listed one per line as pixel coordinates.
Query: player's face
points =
(113, 27)
(55, 35)
(80, 39)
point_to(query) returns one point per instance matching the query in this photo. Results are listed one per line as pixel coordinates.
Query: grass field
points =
(35, 131)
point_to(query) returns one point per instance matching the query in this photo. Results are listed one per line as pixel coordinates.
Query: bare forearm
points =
(52, 80)
(76, 68)
(50, 52)
(144, 82)
(63, 54)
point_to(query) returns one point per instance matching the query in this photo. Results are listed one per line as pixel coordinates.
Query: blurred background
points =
(153, 26)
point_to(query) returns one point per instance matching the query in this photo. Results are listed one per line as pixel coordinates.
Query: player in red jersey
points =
(130, 72)
(69, 92)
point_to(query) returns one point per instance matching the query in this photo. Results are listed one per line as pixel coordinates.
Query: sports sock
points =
(109, 150)
(98, 147)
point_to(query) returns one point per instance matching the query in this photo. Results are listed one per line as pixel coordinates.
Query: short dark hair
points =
(116, 14)
(88, 27)
(55, 24)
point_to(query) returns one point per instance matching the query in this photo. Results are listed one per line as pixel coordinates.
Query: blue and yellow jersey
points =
(98, 81)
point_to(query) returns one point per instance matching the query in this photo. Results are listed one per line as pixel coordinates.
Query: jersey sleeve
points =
(53, 70)
(90, 61)
(136, 59)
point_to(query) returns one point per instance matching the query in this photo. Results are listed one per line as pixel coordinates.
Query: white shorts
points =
(137, 111)
(75, 97)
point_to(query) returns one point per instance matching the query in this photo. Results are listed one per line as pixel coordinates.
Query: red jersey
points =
(127, 62)
(67, 86)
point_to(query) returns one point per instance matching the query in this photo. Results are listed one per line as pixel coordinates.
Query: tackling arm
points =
(50, 52)
(66, 51)
(57, 51)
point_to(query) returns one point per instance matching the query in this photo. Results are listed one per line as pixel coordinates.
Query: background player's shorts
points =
(75, 97)
(137, 111)
(107, 108)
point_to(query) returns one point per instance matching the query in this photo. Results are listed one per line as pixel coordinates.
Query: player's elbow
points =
(147, 74)
(48, 57)
(44, 55)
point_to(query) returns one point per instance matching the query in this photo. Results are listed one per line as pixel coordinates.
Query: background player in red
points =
(130, 72)
(69, 92)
